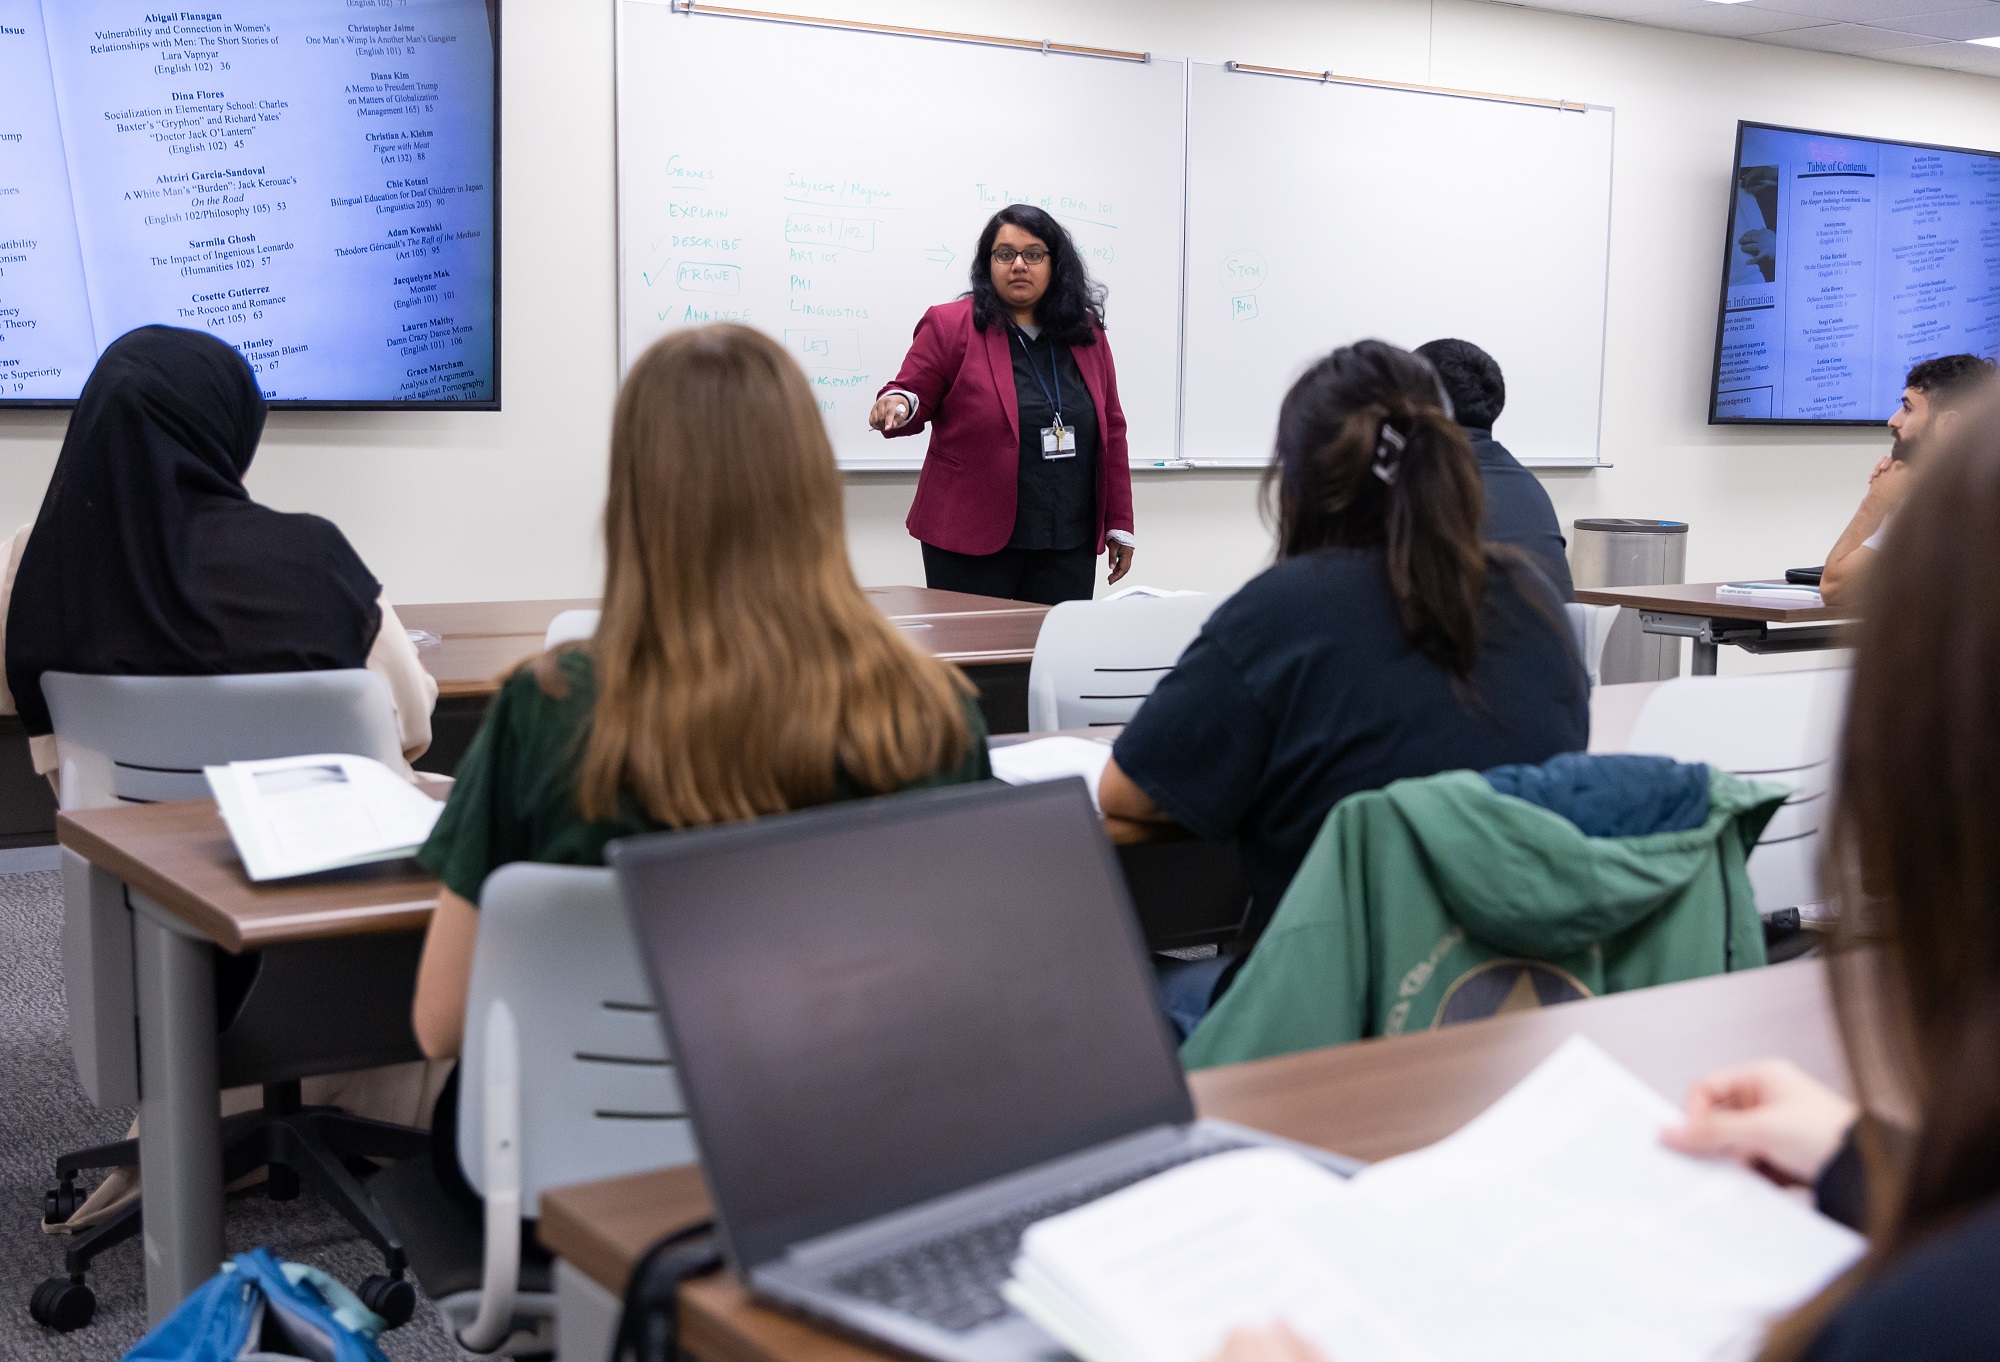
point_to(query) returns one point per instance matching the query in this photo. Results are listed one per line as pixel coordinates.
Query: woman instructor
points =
(1026, 480)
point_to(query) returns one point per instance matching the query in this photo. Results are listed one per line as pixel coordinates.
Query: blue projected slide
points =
(1849, 262)
(310, 180)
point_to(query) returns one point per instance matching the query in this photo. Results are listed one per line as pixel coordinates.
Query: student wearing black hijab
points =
(150, 559)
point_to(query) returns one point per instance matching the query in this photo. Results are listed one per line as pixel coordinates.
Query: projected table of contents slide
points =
(1849, 262)
(310, 180)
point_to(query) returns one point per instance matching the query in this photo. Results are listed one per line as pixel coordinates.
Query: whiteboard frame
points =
(1180, 462)
(1556, 108)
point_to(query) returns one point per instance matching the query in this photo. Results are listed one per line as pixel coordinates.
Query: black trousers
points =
(1045, 576)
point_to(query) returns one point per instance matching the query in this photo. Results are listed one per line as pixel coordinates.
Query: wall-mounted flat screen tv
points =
(1848, 260)
(313, 181)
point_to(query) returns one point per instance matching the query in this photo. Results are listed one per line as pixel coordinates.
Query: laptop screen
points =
(877, 1003)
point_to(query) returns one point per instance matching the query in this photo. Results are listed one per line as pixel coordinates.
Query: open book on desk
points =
(1555, 1227)
(301, 815)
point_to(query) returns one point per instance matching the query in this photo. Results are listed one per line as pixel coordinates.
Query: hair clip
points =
(1388, 452)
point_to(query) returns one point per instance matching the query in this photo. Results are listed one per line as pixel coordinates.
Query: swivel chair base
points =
(297, 1144)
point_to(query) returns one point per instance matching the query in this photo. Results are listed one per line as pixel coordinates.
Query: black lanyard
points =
(1054, 398)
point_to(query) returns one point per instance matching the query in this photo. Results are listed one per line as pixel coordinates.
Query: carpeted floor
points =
(43, 1112)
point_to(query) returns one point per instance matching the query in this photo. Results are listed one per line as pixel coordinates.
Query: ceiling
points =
(1916, 32)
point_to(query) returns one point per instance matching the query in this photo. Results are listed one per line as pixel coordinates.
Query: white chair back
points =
(563, 1076)
(1590, 626)
(571, 626)
(1782, 726)
(1097, 661)
(143, 739)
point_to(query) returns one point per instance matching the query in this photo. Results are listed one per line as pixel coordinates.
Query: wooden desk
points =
(479, 642)
(188, 898)
(180, 858)
(1694, 611)
(1373, 1099)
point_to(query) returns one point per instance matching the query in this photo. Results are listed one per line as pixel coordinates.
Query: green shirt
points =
(515, 799)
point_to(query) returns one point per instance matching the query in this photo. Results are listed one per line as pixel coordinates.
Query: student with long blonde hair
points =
(738, 670)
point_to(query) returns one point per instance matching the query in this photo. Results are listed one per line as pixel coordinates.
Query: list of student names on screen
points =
(311, 181)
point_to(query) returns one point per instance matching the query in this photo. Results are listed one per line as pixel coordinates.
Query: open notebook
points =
(1555, 1227)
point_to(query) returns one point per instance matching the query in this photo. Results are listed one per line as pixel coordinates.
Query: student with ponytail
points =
(1914, 968)
(1387, 641)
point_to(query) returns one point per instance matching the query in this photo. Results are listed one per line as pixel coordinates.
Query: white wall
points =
(492, 506)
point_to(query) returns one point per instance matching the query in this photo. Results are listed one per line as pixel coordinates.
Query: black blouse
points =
(1055, 500)
(1935, 1302)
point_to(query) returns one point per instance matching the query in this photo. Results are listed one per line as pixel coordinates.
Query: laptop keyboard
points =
(954, 1281)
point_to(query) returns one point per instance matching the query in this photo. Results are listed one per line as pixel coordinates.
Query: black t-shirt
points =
(1518, 510)
(1301, 690)
(1055, 500)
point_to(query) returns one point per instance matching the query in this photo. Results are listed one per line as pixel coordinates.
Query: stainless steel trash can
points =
(1619, 552)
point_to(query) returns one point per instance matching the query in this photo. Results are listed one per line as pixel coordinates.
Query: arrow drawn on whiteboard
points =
(939, 255)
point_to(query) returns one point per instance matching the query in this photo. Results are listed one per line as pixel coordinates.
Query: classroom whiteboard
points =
(1320, 214)
(826, 187)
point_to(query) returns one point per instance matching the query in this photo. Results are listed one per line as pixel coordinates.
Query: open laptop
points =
(908, 1028)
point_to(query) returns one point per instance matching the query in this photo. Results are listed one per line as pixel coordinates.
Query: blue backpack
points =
(260, 1310)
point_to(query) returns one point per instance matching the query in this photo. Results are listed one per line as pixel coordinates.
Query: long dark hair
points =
(1073, 308)
(1369, 457)
(1916, 966)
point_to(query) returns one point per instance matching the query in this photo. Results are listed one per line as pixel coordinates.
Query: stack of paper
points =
(1773, 593)
(1029, 763)
(1153, 592)
(300, 815)
(1555, 1227)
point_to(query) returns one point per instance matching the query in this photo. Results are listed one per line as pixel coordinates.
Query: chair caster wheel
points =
(63, 1304)
(393, 1298)
(60, 1203)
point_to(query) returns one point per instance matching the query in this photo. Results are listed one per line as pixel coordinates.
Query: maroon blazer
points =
(963, 379)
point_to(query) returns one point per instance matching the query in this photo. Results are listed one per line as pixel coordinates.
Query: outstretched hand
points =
(889, 412)
(1770, 1115)
(1275, 1344)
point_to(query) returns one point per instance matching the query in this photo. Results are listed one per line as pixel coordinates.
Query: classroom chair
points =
(286, 1013)
(563, 1078)
(1096, 661)
(1590, 626)
(1782, 726)
(571, 626)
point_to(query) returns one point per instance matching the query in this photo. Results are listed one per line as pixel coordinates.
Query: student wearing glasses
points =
(1026, 480)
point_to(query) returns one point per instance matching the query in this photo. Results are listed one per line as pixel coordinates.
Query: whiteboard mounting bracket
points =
(1048, 47)
(1331, 78)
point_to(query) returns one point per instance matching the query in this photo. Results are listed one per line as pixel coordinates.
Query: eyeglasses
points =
(1007, 255)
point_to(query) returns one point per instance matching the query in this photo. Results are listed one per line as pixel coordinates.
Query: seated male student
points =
(1518, 510)
(1938, 396)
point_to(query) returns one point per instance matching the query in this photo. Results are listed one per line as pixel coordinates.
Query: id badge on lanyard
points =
(1058, 440)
